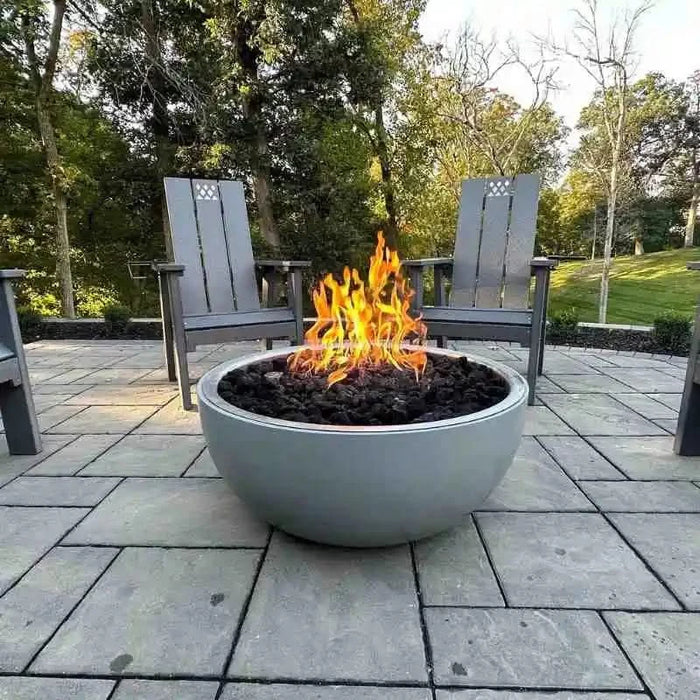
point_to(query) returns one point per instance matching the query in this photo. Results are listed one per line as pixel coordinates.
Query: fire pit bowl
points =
(361, 486)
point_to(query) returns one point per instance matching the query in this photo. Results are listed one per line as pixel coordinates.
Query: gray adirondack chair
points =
(687, 441)
(209, 293)
(16, 403)
(491, 270)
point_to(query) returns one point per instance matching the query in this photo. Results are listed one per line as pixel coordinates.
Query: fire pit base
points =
(361, 486)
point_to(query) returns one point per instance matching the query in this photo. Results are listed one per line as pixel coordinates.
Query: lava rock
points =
(382, 395)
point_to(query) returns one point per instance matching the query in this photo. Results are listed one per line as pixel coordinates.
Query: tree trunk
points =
(391, 227)
(261, 187)
(607, 251)
(159, 122)
(692, 215)
(638, 245)
(63, 267)
(249, 54)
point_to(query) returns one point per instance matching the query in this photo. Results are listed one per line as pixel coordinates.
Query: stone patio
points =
(129, 571)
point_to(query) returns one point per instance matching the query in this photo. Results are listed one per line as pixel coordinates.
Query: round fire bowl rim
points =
(207, 392)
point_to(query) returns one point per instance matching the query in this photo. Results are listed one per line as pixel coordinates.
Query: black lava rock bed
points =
(383, 395)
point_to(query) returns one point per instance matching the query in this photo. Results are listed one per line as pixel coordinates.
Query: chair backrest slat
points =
(213, 243)
(495, 242)
(521, 241)
(467, 243)
(240, 248)
(186, 250)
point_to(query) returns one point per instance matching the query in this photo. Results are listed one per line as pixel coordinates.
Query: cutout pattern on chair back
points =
(211, 238)
(495, 242)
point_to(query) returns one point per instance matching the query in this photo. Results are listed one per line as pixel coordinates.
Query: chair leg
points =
(19, 419)
(540, 362)
(442, 341)
(180, 342)
(166, 315)
(297, 304)
(532, 365)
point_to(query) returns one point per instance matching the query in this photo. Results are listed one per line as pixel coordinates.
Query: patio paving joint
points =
(423, 626)
(487, 551)
(72, 610)
(627, 657)
(638, 554)
(244, 614)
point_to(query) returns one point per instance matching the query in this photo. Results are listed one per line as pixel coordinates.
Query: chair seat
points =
(238, 319)
(500, 317)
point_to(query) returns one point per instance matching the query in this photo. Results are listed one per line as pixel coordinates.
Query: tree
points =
(40, 36)
(608, 58)
(690, 157)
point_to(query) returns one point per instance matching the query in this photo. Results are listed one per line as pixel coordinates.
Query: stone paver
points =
(599, 414)
(171, 419)
(647, 458)
(646, 380)
(111, 376)
(12, 465)
(25, 688)
(453, 569)
(535, 482)
(148, 455)
(277, 691)
(642, 496)
(203, 466)
(671, 545)
(665, 648)
(113, 395)
(165, 690)
(589, 383)
(578, 459)
(171, 512)
(673, 401)
(37, 605)
(27, 533)
(540, 420)
(74, 456)
(105, 419)
(56, 491)
(165, 611)
(568, 560)
(320, 613)
(526, 648)
(647, 406)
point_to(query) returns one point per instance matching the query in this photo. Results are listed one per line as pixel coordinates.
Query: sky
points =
(667, 40)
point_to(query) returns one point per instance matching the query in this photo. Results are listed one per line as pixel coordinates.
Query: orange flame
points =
(363, 325)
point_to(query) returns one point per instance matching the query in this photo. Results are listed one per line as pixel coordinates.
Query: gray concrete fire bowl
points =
(361, 486)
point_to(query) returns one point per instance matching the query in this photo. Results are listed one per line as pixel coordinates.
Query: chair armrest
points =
(284, 265)
(537, 264)
(428, 262)
(167, 268)
(12, 274)
(693, 265)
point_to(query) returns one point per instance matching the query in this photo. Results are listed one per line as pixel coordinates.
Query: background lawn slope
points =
(641, 287)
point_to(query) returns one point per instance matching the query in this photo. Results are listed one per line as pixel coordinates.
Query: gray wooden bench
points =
(491, 270)
(209, 293)
(687, 441)
(16, 403)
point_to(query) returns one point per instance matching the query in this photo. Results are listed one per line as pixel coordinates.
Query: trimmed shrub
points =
(673, 332)
(29, 321)
(116, 317)
(564, 323)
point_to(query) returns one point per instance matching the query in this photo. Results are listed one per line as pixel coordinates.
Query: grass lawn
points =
(641, 287)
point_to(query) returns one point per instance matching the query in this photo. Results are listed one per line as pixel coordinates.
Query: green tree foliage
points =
(339, 119)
